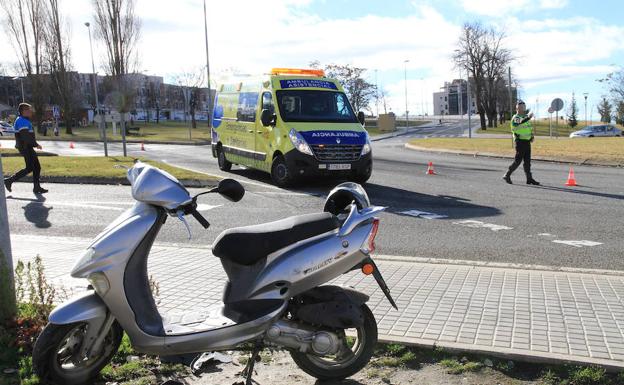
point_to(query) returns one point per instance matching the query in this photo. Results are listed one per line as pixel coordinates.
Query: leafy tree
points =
(619, 113)
(359, 91)
(573, 113)
(604, 109)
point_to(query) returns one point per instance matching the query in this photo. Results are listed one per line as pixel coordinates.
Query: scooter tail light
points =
(372, 235)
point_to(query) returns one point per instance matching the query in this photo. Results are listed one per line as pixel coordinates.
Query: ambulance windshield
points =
(315, 106)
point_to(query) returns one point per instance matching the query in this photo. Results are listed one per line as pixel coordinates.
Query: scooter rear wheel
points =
(341, 366)
(55, 355)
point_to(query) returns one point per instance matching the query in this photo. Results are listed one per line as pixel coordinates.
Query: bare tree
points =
(118, 27)
(615, 84)
(24, 24)
(57, 54)
(481, 52)
(191, 81)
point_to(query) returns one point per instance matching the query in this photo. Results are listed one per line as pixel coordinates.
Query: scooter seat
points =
(247, 245)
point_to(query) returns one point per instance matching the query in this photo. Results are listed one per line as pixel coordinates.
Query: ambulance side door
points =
(264, 146)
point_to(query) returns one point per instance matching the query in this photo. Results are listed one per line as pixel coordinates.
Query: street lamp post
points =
(210, 108)
(406, 110)
(585, 95)
(95, 93)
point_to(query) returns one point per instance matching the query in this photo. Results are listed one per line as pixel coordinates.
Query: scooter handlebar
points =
(202, 221)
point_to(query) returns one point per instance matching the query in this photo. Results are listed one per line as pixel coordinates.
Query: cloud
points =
(502, 8)
(254, 36)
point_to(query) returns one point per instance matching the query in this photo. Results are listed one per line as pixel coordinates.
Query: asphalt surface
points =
(477, 216)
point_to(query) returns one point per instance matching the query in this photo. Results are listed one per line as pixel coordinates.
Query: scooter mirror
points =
(231, 190)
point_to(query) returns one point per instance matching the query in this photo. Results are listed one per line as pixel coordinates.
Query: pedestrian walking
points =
(25, 142)
(522, 131)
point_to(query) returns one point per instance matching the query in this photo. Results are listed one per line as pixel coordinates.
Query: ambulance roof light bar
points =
(298, 71)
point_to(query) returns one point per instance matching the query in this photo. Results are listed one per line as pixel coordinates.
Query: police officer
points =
(26, 143)
(522, 131)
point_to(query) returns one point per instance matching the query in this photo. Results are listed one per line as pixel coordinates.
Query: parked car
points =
(5, 128)
(596, 131)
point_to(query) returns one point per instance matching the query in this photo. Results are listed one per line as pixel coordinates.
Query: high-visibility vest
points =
(523, 131)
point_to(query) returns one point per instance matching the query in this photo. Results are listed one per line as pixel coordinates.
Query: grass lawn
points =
(95, 167)
(163, 132)
(542, 128)
(595, 150)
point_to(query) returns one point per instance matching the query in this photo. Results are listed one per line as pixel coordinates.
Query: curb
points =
(18, 155)
(113, 181)
(132, 141)
(506, 353)
(498, 265)
(475, 154)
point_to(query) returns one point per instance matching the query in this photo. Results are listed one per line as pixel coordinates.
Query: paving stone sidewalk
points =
(531, 314)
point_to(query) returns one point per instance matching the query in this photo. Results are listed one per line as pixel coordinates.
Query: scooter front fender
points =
(87, 307)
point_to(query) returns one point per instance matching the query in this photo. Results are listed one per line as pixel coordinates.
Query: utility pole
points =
(406, 110)
(510, 100)
(210, 108)
(376, 95)
(585, 95)
(7, 287)
(95, 93)
(469, 102)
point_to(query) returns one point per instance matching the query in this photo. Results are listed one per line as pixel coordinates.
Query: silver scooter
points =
(275, 294)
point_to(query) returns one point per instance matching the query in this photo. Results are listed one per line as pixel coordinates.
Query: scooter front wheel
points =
(357, 351)
(56, 355)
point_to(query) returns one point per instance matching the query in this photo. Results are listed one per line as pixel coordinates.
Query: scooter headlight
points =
(100, 283)
(86, 258)
(300, 144)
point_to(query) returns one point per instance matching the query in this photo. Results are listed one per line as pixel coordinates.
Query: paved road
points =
(485, 219)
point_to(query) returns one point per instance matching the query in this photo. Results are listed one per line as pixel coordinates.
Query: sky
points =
(561, 46)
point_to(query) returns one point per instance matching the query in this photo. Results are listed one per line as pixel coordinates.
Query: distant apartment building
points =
(150, 97)
(447, 101)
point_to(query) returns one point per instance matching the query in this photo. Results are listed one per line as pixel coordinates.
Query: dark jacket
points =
(24, 134)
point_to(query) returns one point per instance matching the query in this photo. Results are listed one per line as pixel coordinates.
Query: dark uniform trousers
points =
(32, 165)
(523, 154)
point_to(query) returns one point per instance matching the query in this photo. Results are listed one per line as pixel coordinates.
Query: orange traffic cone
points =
(71, 145)
(571, 179)
(430, 170)
(142, 147)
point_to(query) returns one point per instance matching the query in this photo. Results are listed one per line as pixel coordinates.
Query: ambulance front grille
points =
(337, 152)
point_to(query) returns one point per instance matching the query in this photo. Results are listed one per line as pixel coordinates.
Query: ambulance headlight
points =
(366, 149)
(299, 143)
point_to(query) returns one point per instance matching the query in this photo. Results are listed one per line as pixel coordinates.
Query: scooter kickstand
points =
(249, 368)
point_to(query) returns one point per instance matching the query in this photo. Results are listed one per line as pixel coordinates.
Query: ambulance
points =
(293, 124)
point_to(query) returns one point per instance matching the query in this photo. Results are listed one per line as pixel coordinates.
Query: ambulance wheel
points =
(362, 177)
(224, 164)
(280, 174)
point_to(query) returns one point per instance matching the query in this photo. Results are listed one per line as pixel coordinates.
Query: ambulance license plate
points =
(339, 166)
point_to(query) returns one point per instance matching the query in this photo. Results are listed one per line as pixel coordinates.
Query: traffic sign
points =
(550, 110)
(556, 104)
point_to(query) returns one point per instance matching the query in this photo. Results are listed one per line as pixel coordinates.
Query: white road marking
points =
(204, 207)
(546, 235)
(482, 225)
(80, 205)
(423, 214)
(578, 243)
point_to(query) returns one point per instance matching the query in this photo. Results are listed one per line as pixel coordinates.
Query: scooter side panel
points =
(310, 265)
(220, 339)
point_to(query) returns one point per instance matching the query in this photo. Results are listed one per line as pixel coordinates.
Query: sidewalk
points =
(525, 314)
